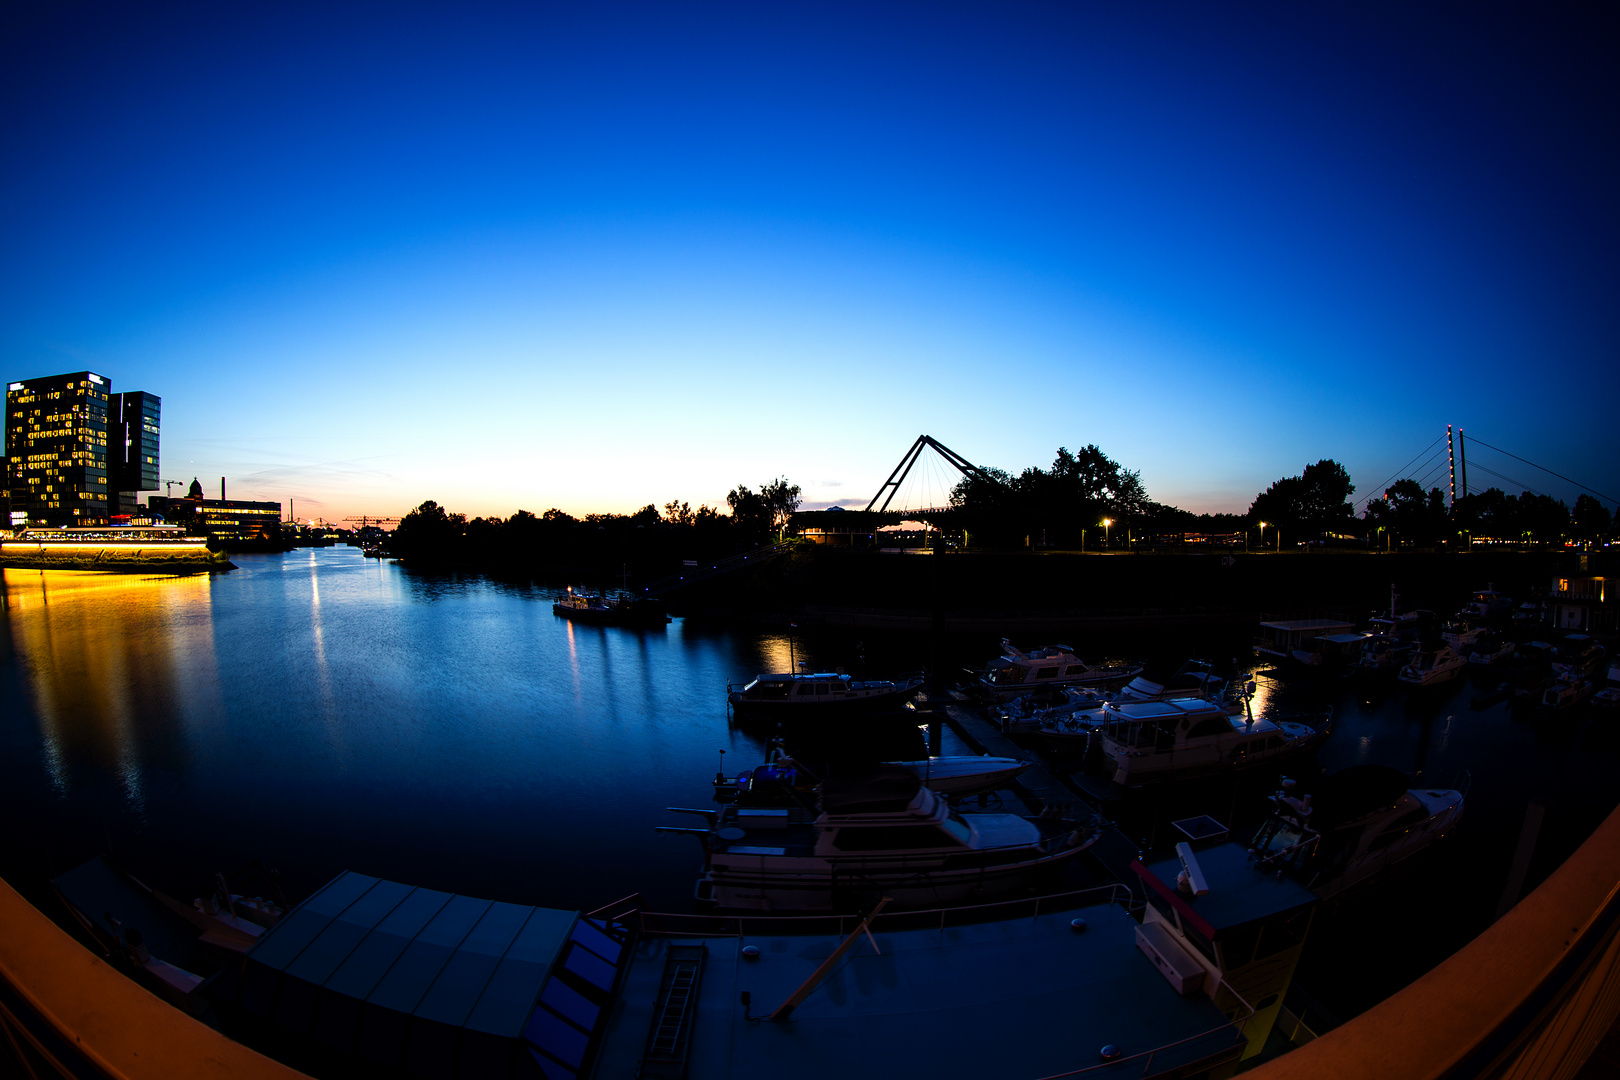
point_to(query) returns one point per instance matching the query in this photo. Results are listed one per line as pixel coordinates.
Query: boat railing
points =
(1233, 1024)
(630, 911)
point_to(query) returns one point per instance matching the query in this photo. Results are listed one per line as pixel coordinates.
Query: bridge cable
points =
(1543, 468)
(1397, 474)
(1516, 483)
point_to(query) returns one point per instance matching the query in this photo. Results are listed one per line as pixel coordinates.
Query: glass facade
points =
(132, 451)
(56, 445)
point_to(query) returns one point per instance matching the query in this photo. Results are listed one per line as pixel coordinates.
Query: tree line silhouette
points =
(1064, 506)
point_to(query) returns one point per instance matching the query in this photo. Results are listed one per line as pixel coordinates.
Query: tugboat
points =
(787, 696)
(879, 835)
(1016, 672)
(1357, 823)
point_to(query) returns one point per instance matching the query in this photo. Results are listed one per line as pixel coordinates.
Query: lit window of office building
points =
(132, 447)
(56, 446)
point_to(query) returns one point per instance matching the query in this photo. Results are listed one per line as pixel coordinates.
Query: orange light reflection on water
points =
(102, 654)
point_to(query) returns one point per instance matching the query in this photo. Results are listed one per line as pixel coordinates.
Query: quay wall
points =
(973, 591)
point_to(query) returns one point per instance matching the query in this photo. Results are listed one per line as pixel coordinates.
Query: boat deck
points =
(1017, 999)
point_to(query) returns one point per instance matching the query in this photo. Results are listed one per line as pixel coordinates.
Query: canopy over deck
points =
(437, 984)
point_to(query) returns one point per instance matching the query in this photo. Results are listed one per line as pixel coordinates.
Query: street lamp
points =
(1262, 536)
(1106, 522)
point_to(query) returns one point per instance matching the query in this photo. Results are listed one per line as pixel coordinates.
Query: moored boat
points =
(1160, 740)
(788, 696)
(881, 834)
(1579, 655)
(1565, 692)
(1016, 672)
(964, 774)
(1431, 667)
(1279, 639)
(1354, 825)
(1490, 649)
(610, 611)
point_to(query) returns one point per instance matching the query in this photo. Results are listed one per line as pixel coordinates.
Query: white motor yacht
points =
(1461, 635)
(884, 834)
(1566, 691)
(1357, 823)
(1431, 667)
(1017, 672)
(964, 774)
(1490, 650)
(789, 696)
(1159, 740)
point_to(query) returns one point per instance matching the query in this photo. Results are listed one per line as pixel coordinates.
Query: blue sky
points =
(595, 256)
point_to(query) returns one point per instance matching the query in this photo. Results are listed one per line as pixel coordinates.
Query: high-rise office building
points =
(56, 446)
(132, 447)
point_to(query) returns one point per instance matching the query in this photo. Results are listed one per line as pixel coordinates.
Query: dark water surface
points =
(323, 712)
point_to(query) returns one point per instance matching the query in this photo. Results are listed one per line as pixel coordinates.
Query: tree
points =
(750, 516)
(1315, 502)
(1053, 506)
(429, 533)
(1590, 520)
(781, 499)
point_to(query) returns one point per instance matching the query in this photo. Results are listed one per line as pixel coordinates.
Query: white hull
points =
(964, 775)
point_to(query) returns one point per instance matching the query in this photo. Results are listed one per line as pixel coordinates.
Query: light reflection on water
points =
(323, 711)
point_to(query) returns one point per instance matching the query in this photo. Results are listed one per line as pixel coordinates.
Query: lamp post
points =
(1106, 522)
(1262, 536)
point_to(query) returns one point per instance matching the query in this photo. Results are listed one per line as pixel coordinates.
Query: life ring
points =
(1071, 725)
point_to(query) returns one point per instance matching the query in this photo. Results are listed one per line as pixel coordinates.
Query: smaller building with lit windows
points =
(233, 521)
(56, 445)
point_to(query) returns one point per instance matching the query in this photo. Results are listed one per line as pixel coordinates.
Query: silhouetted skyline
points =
(595, 258)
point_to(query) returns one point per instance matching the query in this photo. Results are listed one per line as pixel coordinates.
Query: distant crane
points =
(368, 521)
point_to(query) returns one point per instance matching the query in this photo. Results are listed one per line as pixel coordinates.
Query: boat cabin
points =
(1179, 737)
(1279, 639)
(1051, 665)
(1239, 941)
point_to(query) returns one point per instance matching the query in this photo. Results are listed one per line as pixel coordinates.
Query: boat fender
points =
(1077, 925)
(1109, 1053)
(750, 952)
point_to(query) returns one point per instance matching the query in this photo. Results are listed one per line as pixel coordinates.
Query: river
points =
(319, 711)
